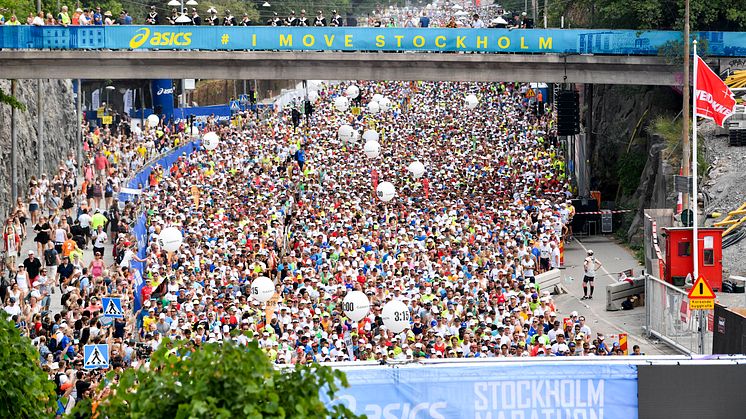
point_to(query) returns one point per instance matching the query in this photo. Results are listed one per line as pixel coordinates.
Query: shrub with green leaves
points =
(218, 381)
(25, 389)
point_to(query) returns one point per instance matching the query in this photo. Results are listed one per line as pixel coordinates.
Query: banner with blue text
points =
(514, 391)
(264, 38)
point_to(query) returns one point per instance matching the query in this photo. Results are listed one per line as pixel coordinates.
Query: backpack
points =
(58, 383)
(50, 257)
(109, 189)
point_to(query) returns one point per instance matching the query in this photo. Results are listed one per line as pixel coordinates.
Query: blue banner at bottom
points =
(492, 391)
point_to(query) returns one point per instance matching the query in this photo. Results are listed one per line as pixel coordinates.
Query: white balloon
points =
(153, 120)
(210, 140)
(346, 133)
(356, 305)
(386, 191)
(352, 91)
(396, 316)
(471, 101)
(262, 289)
(372, 149)
(370, 135)
(377, 97)
(416, 168)
(313, 96)
(170, 239)
(341, 103)
(373, 107)
(385, 104)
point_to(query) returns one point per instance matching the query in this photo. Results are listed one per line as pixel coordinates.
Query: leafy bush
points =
(25, 390)
(218, 381)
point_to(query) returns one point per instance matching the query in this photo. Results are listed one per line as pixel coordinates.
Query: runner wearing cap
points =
(590, 265)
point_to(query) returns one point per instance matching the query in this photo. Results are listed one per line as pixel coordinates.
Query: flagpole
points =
(695, 205)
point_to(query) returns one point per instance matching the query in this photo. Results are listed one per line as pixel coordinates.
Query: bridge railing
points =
(265, 38)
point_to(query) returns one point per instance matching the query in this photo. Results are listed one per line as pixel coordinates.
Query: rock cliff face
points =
(621, 145)
(58, 108)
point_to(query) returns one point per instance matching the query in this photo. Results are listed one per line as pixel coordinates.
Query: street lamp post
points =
(183, 18)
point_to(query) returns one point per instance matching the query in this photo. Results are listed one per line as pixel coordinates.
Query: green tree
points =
(25, 390)
(218, 381)
(720, 15)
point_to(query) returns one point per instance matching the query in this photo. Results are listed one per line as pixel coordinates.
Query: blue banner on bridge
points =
(262, 38)
(526, 390)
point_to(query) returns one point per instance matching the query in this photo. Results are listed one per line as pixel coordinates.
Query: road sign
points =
(244, 99)
(683, 184)
(701, 296)
(530, 93)
(235, 106)
(113, 307)
(95, 356)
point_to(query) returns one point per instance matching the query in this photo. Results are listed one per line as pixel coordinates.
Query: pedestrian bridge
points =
(127, 52)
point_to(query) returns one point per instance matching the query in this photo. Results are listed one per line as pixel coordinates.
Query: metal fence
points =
(669, 319)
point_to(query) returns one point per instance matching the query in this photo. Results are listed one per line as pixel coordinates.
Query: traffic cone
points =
(679, 204)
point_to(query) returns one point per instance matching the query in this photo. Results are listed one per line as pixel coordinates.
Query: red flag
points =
(714, 99)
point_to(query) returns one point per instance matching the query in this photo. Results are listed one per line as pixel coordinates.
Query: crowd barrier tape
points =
(492, 391)
(266, 38)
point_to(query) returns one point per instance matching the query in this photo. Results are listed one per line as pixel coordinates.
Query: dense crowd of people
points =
(432, 16)
(286, 197)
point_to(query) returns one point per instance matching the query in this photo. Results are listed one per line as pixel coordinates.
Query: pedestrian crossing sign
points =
(113, 307)
(95, 356)
(235, 106)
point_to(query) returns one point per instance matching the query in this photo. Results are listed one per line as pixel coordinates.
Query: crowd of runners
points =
(285, 196)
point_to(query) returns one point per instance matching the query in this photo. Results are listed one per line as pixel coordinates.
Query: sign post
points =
(702, 299)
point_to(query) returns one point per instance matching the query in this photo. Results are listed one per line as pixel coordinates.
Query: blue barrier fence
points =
(493, 390)
(140, 228)
(567, 41)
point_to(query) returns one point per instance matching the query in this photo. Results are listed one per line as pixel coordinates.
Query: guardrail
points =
(264, 38)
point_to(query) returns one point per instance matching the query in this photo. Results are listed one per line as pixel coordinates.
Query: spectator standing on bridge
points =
(476, 22)
(63, 18)
(98, 19)
(291, 20)
(38, 20)
(125, 18)
(229, 20)
(245, 21)
(213, 19)
(109, 18)
(13, 21)
(274, 20)
(320, 20)
(424, 20)
(336, 19)
(590, 265)
(153, 18)
(302, 20)
(196, 19)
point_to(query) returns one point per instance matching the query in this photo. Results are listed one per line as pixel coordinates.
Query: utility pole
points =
(40, 126)
(546, 11)
(534, 4)
(686, 145)
(13, 146)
